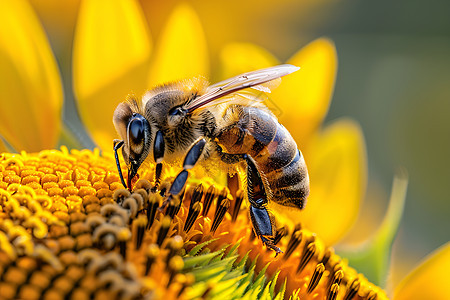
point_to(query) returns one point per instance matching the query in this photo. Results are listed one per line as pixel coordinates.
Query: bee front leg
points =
(117, 145)
(190, 160)
(158, 153)
(263, 223)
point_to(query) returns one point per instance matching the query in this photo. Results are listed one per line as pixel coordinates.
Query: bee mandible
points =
(224, 122)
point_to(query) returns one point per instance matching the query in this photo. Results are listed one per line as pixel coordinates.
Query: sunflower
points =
(69, 230)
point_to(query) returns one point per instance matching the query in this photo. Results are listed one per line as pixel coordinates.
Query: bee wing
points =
(254, 79)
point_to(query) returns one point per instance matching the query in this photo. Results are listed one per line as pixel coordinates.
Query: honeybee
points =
(225, 122)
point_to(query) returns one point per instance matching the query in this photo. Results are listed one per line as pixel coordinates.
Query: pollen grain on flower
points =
(69, 230)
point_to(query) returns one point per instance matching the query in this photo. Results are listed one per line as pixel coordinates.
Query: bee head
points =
(135, 132)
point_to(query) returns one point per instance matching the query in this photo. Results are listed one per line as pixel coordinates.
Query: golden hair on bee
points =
(190, 89)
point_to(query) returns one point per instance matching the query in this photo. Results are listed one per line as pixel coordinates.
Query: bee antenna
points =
(117, 145)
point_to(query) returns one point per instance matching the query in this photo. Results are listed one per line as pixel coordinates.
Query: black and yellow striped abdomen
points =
(258, 133)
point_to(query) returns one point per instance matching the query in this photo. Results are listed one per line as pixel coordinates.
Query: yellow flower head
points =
(69, 229)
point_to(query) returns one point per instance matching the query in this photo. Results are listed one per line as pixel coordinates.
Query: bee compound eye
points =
(136, 131)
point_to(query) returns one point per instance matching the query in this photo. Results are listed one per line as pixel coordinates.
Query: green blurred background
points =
(393, 78)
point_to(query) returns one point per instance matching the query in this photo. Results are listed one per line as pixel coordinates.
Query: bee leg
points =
(263, 226)
(229, 158)
(190, 160)
(263, 223)
(158, 153)
(117, 145)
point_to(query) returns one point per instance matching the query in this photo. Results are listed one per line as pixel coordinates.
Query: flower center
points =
(68, 229)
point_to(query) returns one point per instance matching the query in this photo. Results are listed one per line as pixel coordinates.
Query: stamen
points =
(237, 205)
(222, 196)
(188, 192)
(120, 195)
(140, 224)
(105, 235)
(175, 265)
(123, 236)
(164, 186)
(209, 197)
(282, 232)
(293, 243)
(352, 289)
(143, 184)
(163, 230)
(298, 227)
(152, 253)
(174, 203)
(109, 210)
(337, 267)
(197, 195)
(139, 198)
(174, 246)
(221, 209)
(192, 216)
(153, 204)
(334, 291)
(317, 275)
(132, 206)
(326, 256)
(189, 279)
(180, 198)
(335, 279)
(372, 295)
(307, 254)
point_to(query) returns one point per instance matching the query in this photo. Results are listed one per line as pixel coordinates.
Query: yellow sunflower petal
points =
(308, 90)
(182, 50)
(338, 174)
(110, 59)
(238, 58)
(429, 280)
(30, 88)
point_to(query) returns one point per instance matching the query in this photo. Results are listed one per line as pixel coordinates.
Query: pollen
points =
(69, 230)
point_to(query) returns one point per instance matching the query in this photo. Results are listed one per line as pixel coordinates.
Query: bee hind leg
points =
(229, 158)
(263, 226)
(263, 222)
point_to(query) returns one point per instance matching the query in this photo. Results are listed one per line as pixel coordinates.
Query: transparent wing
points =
(254, 79)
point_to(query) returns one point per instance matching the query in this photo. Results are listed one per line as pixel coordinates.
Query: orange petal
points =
(30, 87)
(337, 166)
(429, 280)
(182, 50)
(110, 59)
(238, 58)
(304, 96)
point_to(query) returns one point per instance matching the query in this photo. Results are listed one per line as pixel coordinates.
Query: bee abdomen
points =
(259, 134)
(285, 169)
